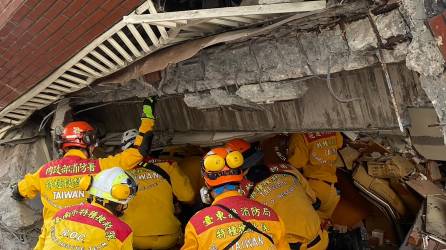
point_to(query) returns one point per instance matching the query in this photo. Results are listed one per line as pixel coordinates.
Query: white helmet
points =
(112, 184)
(128, 138)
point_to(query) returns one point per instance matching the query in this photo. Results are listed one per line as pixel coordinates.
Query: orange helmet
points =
(238, 145)
(78, 134)
(222, 166)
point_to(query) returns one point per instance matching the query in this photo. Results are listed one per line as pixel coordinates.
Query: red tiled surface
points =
(38, 36)
(438, 27)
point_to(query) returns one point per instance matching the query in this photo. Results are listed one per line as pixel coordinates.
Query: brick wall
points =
(38, 36)
(438, 28)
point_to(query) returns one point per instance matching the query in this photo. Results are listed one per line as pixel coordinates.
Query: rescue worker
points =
(189, 161)
(316, 153)
(151, 212)
(283, 188)
(58, 181)
(232, 221)
(95, 225)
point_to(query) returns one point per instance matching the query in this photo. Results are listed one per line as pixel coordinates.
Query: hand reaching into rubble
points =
(144, 140)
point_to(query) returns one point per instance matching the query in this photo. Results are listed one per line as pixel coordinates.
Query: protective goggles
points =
(218, 158)
(90, 138)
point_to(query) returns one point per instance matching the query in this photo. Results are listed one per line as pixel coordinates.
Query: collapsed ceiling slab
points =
(317, 109)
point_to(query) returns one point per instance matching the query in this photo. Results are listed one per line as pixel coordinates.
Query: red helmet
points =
(78, 134)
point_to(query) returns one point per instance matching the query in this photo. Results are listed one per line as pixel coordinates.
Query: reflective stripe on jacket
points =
(85, 226)
(316, 153)
(151, 212)
(214, 228)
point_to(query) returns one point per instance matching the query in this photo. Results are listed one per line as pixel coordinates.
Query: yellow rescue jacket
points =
(86, 226)
(58, 180)
(288, 193)
(151, 212)
(215, 228)
(316, 153)
(189, 161)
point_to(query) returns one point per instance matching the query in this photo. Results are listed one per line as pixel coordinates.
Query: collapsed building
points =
(372, 69)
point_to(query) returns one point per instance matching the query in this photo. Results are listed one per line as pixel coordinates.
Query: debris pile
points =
(387, 170)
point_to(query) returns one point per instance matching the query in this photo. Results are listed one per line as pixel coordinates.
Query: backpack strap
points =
(157, 170)
(247, 224)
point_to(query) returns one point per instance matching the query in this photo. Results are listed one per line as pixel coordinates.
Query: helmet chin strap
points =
(110, 205)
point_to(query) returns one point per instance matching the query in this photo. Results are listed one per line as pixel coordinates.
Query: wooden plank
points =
(129, 44)
(48, 97)
(80, 72)
(111, 54)
(41, 101)
(166, 24)
(103, 59)
(9, 121)
(29, 106)
(21, 111)
(60, 88)
(74, 79)
(223, 22)
(201, 25)
(96, 65)
(227, 12)
(88, 69)
(138, 38)
(151, 34)
(16, 116)
(52, 91)
(120, 49)
(239, 19)
(153, 11)
(67, 84)
(3, 130)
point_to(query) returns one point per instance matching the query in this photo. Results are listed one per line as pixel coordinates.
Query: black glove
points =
(317, 204)
(15, 193)
(146, 144)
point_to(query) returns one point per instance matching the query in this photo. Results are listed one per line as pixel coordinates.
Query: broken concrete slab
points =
(360, 35)
(390, 25)
(224, 98)
(200, 101)
(286, 55)
(423, 54)
(272, 91)
(435, 88)
(436, 216)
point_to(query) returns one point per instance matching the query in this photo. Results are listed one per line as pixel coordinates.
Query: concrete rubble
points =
(423, 55)
(275, 60)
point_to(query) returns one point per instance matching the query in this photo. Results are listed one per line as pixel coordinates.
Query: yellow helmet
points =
(112, 184)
